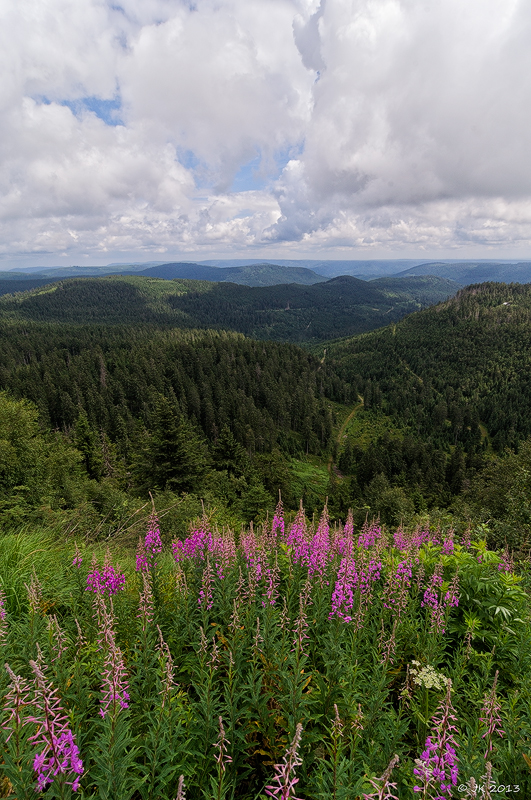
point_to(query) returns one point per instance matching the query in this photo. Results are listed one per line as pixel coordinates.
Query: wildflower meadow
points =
(292, 659)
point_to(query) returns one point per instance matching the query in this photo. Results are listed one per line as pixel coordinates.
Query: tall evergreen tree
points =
(88, 445)
(174, 456)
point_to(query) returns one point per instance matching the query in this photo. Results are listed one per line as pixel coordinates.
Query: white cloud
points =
(406, 123)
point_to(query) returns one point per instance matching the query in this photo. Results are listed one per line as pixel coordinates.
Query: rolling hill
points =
(287, 312)
(469, 272)
(263, 274)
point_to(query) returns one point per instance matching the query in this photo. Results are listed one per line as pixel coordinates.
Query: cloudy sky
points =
(155, 129)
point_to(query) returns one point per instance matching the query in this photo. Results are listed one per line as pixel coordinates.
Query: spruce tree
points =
(175, 458)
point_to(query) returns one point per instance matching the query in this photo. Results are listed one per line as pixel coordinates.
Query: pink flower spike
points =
(60, 755)
(109, 581)
(437, 768)
(490, 717)
(78, 560)
(285, 772)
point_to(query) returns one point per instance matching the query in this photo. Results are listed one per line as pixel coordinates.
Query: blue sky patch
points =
(249, 177)
(106, 110)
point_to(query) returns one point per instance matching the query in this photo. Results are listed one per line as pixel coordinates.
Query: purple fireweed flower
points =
(115, 686)
(225, 554)
(297, 538)
(108, 581)
(369, 535)
(196, 545)
(60, 755)
(249, 544)
(285, 777)
(153, 542)
(431, 600)
(437, 768)
(448, 543)
(368, 574)
(343, 539)
(451, 598)
(490, 717)
(400, 539)
(319, 546)
(418, 538)
(396, 592)
(507, 562)
(343, 594)
(434, 537)
(141, 557)
(150, 547)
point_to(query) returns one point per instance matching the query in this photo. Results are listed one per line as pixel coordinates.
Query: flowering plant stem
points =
(114, 770)
(17, 763)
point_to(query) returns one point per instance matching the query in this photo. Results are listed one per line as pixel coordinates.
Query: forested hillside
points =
(202, 412)
(447, 369)
(448, 391)
(404, 421)
(286, 312)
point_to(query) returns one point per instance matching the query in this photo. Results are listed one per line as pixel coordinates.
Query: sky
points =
(149, 130)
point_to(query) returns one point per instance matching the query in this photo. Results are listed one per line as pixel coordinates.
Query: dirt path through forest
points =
(343, 427)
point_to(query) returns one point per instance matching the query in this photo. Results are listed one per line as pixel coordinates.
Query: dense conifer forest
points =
(401, 421)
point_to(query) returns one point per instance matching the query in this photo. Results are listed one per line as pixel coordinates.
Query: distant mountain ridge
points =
(261, 274)
(365, 269)
(471, 272)
(304, 271)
